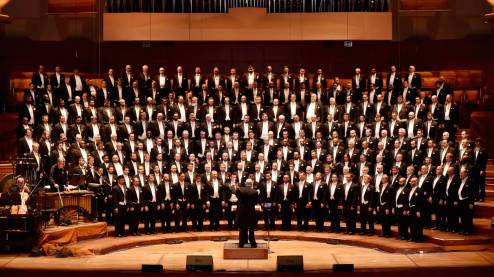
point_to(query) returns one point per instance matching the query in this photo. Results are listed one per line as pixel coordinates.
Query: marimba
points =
(68, 204)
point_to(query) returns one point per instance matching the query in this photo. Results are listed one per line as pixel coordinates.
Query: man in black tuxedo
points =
(57, 80)
(414, 79)
(399, 208)
(303, 192)
(466, 199)
(78, 83)
(40, 79)
(358, 84)
(384, 204)
(350, 203)
(375, 79)
(135, 199)
(119, 195)
(246, 216)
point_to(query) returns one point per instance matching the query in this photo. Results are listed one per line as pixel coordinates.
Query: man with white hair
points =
(145, 78)
(414, 79)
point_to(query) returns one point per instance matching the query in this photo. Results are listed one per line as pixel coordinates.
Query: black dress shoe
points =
(240, 245)
(254, 245)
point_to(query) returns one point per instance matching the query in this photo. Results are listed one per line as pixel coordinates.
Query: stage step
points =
(484, 209)
(232, 251)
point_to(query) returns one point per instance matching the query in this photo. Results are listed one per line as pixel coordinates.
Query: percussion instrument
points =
(68, 202)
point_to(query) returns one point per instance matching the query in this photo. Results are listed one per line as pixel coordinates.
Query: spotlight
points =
(488, 18)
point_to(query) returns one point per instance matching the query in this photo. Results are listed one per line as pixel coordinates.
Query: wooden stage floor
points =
(443, 254)
(318, 257)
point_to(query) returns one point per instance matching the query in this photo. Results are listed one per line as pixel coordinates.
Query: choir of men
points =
(176, 148)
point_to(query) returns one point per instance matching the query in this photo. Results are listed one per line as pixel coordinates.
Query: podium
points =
(231, 251)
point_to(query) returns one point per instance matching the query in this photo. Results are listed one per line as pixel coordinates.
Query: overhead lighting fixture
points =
(489, 17)
(3, 17)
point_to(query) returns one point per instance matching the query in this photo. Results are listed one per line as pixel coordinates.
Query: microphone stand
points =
(269, 230)
(269, 235)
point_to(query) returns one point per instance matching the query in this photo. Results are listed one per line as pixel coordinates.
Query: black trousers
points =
(303, 215)
(350, 218)
(466, 216)
(243, 236)
(416, 227)
(120, 219)
(269, 217)
(98, 204)
(134, 218)
(286, 216)
(215, 213)
(385, 220)
(479, 184)
(366, 219)
(109, 210)
(197, 216)
(181, 217)
(231, 216)
(450, 128)
(402, 221)
(452, 216)
(439, 210)
(166, 216)
(318, 214)
(426, 215)
(334, 216)
(150, 217)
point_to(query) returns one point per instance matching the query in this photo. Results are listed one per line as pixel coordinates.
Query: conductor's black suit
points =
(246, 216)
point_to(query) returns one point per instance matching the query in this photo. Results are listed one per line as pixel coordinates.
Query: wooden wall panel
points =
(72, 6)
(246, 24)
(423, 5)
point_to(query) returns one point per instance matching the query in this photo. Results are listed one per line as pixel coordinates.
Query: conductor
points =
(246, 216)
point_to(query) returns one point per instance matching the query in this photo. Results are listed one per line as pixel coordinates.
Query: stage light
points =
(3, 17)
(489, 17)
(196, 263)
(290, 263)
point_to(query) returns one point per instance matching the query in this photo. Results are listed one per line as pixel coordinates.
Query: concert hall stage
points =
(91, 246)
(98, 239)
